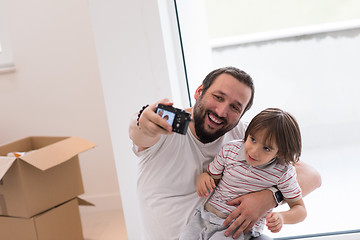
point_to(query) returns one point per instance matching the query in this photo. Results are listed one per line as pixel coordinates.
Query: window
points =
(310, 70)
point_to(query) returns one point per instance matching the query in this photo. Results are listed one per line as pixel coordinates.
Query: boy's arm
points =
(251, 207)
(205, 184)
(209, 179)
(296, 213)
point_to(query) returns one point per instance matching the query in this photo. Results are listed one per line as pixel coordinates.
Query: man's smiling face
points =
(219, 108)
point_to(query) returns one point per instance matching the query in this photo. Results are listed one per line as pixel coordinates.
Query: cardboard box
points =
(46, 176)
(59, 223)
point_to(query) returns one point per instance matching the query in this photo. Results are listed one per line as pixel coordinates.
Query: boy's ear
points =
(198, 92)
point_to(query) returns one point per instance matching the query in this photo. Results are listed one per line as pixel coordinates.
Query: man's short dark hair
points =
(236, 73)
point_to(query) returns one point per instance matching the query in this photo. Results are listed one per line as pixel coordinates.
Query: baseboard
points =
(103, 202)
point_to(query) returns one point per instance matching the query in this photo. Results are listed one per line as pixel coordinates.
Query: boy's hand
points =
(205, 184)
(274, 222)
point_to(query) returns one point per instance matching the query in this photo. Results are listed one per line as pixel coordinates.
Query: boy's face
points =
(218, 110)
(257, 151)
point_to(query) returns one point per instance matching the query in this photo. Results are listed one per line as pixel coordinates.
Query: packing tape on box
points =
(3, 209)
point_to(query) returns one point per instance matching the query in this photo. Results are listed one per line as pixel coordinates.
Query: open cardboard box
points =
(46, 176)
(62, 222)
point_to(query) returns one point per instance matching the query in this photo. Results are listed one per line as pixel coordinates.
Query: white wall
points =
(56, 88)
(64, 85)
(139, 55)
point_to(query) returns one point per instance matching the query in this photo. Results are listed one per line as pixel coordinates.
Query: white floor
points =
(103, 225)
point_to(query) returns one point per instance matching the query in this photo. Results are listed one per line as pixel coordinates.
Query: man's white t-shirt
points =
(168, 172)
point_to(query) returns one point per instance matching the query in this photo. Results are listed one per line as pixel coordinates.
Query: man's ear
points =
(198, 92)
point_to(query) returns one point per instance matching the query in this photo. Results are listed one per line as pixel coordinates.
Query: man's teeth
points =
(214, 119)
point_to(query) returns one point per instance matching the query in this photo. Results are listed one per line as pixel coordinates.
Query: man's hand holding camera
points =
(179, 119)
(152, 124)
(146, 131)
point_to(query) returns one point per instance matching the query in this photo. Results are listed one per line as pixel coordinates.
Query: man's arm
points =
(308, 177)
(146, 131)
(251, 207)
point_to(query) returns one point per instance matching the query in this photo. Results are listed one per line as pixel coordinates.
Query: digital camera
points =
(177, 118)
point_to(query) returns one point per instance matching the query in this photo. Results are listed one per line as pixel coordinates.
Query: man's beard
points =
(199, 116)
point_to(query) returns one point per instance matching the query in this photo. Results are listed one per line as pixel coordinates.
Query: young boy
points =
(264, 159)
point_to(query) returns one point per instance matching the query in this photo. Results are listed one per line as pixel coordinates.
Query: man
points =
(170, 163)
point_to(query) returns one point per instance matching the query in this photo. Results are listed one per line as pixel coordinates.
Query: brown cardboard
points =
(59, 223)
(48, 175)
